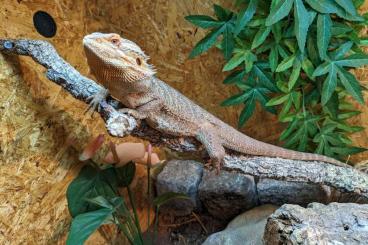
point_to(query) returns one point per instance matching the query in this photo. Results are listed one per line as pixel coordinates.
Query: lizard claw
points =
(94, 100)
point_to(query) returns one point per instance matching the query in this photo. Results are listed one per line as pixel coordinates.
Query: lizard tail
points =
(247, 145)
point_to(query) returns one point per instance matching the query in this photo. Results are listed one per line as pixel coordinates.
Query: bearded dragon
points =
(122, 68)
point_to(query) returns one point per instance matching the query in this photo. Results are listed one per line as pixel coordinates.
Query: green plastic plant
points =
(94, 199)
(293, 57)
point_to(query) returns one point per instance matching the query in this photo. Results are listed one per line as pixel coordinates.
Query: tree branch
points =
(118, 124)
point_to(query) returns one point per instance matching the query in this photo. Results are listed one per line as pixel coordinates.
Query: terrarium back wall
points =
(38, 119)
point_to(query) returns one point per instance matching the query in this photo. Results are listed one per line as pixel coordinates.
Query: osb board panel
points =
(37, 117)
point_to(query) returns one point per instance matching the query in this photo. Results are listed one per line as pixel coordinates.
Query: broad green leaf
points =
(236, 60)
(204, 21)
(302, 22)
(294, 75)
(90, 183)
(286, 63)
(281, 10)
(85, 224)
(207, 42)
(261, 36)
(221, 13)
(345, 15)
(348, 6)
(100, 201)
(341, 51)
(247, 111)
(322, 69)
(354, 60)
(245, 16)
(273, 58)
(236, 99)
(324, 25)
(308, 68)
(228, 42)
(351, 84)
(329, 85)
(125, 174)
(234, 77)
(168, 196)
(323, 6)
(278, 100)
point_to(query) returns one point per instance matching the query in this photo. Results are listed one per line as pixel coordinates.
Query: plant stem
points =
(155, 232)
(132, 203)
(124, 230)
(148, 197)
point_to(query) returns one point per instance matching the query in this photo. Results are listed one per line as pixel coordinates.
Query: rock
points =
(181, 176)
(246, 229)
(227, 194)
(336, 223)
(279, 192)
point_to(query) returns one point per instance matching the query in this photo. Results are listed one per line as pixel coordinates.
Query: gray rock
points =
(336, 223)
(245, 229)
(181, 176)
(279, 192)
(227, 194)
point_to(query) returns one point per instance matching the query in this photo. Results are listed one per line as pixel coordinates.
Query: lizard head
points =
(124, 59)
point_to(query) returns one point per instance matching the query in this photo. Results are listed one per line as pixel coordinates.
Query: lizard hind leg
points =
(212, 143)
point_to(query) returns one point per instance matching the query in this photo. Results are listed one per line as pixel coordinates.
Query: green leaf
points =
(329, 85)
(168, 196)
(281, 10)
(312, 50)
(247, 111)
(236, 60)
(355, 60)
(323, 6)
(125, 174)
(207, 42)
(221, 13)
(245, 16)
(204, 21)
(332, 105)
(263, 76)
(85, 224)
(322, 69)
(296, 98)
(348, 6)
(302, 22)
(307, 66)
(100, 201)
(324, 25)
(228, 42)
(90, 183)
(278, 100)
(261, 36)
(351, 84)
(340, 28)
(286, 63)
(236, 76)
(341, 51)
(236, 99)
(273, 58)
(294, 75)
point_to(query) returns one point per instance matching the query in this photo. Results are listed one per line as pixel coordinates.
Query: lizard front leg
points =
(212, 143)
(143, 111)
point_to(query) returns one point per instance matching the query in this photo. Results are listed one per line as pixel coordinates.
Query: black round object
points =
(44, 23)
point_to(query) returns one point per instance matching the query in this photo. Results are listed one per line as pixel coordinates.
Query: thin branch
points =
(344, 179)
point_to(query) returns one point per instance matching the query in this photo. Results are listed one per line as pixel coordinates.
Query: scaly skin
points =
(121, 66)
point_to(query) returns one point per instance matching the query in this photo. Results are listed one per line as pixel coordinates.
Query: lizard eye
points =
(139, 61)
(114, 41)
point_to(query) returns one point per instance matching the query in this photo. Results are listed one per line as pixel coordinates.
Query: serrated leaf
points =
(294, 75)
(308, 68)
(323, 6)
(355, 60)
(236, 60)
(329, 85)
(286, 63)
(324, 25)
(332, 105)
(340, 52)
(278, 100)
(85, 224)
(296, 98)
(273, 58)
(263, 77)
(351, 84)
(245, 16)
(228, 42)
(261, 36)
(207, 42)
(340, 28)
(302, 23)
(236, 99)
(234, 77)
(280, 11)
(312, 50)
(221, 13)
(321, 69)
(204, 21)
(247, 111)
(348, 6)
